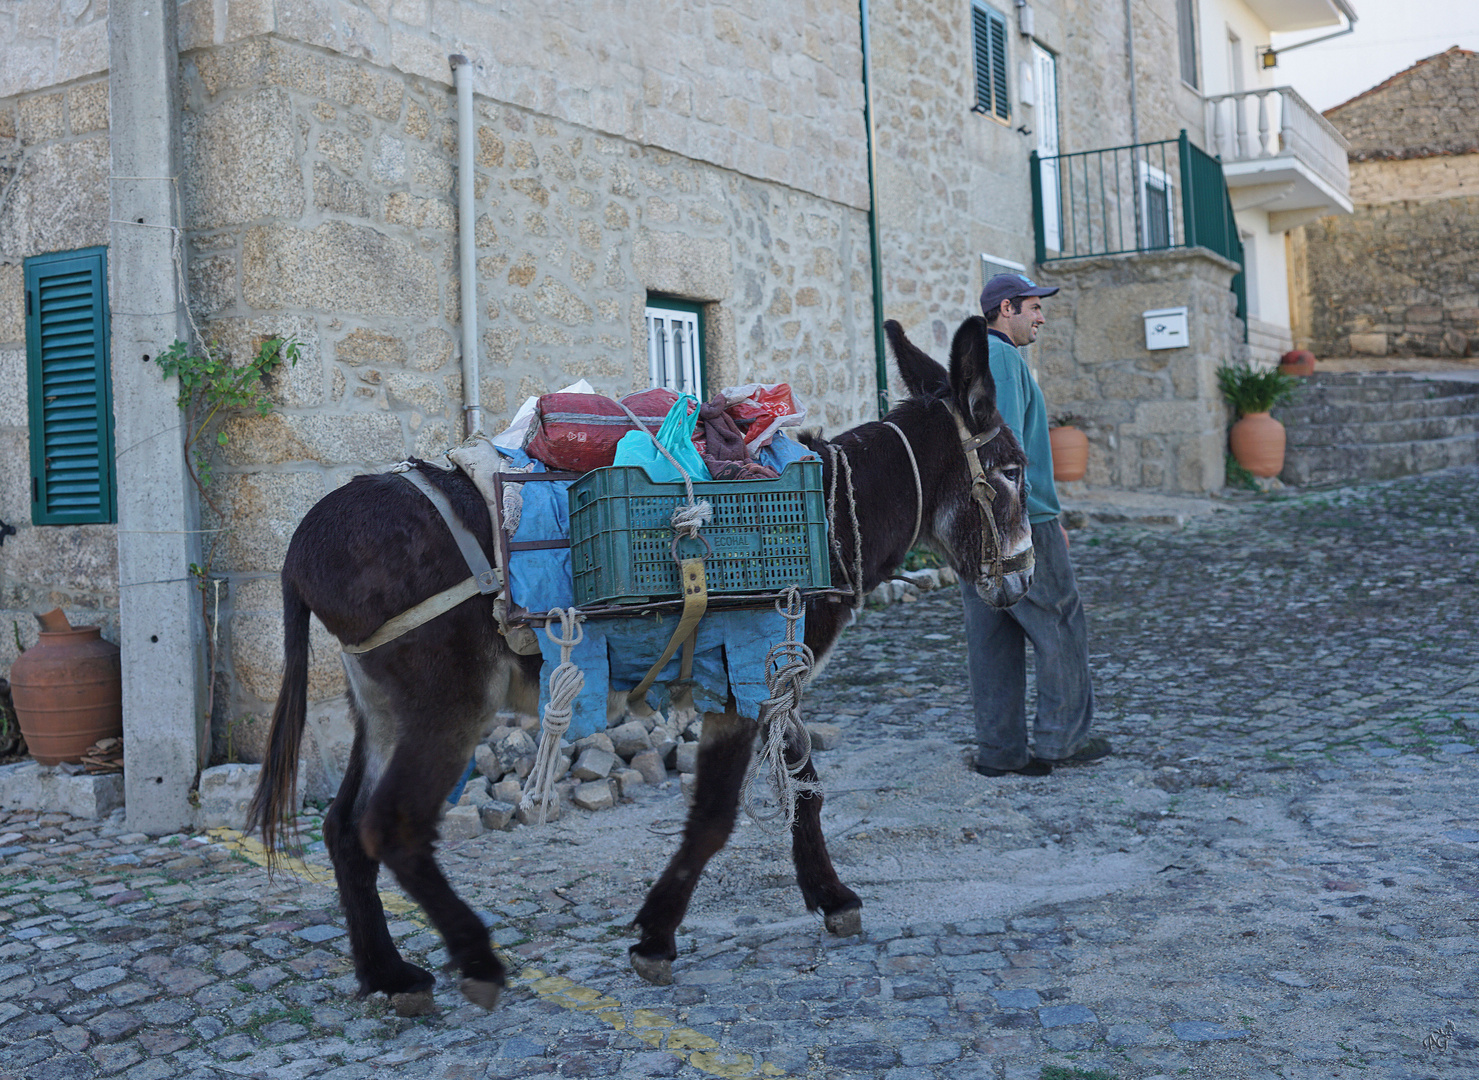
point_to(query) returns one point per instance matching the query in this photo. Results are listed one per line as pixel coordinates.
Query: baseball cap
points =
(1008, 287)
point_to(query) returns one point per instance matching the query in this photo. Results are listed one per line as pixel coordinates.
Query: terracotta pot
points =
(68, 690)
(1297, 362)
(1070, 452)
(1257, 442)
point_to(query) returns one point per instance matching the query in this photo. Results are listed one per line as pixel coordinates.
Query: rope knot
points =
(565, 685)
(788, 667)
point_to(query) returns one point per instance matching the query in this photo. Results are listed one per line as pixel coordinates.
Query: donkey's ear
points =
(971, 383)
(921, 373)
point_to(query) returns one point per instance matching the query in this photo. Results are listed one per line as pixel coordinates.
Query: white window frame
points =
(1046, 122)
(1150, 179)
(674, 351)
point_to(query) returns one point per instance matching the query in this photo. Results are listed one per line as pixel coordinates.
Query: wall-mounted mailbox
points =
(1165, 328)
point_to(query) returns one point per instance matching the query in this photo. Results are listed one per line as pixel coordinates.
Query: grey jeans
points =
(1051, 616)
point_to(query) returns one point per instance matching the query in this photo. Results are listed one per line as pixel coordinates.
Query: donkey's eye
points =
(1011, 474)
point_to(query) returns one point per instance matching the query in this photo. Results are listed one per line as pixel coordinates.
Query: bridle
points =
(984, 494)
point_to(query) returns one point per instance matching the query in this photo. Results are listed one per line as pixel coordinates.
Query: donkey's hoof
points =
(654, 969)
(845, 923)
(481, 992)
(413, 1003)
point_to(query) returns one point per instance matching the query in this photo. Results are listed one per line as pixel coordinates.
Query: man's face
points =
(1021, 326)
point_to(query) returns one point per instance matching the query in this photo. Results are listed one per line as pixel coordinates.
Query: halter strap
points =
(918, 487)
(985, 496)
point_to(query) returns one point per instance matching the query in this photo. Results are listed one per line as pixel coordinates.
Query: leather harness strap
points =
(985, 495)
(484, 578)
(695, 602)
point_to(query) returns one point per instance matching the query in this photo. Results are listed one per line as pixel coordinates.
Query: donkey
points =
(420, 703)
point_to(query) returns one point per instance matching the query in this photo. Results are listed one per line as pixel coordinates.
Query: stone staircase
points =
(1344, 427)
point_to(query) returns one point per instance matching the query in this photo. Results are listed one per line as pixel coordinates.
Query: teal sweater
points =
(1019, 400)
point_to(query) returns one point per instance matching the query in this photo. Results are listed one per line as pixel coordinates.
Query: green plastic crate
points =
(765, 534)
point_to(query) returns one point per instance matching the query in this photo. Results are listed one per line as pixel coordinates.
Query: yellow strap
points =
(695, 601)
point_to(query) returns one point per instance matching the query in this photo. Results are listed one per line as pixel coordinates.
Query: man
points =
(1050, 615)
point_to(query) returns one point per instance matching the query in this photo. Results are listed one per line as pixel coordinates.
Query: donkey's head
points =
(979, 509)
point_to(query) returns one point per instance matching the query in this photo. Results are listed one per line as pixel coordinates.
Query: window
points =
(990, 33)
(1234, 61)
(674, 345)
(1186, 31)
(70, 398)
(1157, 218)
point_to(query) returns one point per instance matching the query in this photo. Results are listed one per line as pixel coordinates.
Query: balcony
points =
(1129, 200)
(1279, 155)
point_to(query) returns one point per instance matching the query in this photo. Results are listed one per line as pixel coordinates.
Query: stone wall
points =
(771, 90)
(1155, 419)
(1395, 279)
(1414, 179)
(53, 197)
(320, 201)
(1426, 110)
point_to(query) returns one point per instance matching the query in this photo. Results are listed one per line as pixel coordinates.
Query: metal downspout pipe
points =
(874, 248)
(472, 409)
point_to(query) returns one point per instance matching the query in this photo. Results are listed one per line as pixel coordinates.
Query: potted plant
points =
(1297, 362)
(1257, 439)
(1070, 448)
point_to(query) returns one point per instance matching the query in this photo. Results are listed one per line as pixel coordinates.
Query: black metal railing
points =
(1137, 198)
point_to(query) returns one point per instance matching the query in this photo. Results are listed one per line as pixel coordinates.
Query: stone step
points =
(1305, 411)
(1376, 461)
(1354, 433)
(1352, 426)
(1378, 388)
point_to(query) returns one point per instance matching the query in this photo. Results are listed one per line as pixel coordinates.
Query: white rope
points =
(856, 577)
(565, 684)
(787, 669)
(918, 487)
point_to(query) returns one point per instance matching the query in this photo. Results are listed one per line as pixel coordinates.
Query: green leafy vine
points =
(211, 388)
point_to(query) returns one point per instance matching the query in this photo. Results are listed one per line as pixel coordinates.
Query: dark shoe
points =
(1034, 767)
(1093, 748)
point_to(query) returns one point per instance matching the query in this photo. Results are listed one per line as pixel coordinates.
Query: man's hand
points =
(1064, 531)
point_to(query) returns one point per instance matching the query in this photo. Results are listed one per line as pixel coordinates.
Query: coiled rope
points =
(788, 667)
(565, 684)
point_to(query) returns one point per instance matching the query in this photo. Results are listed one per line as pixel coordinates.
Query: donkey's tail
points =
(274, 803)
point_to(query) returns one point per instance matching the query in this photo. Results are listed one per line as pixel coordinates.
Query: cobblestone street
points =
(1273, 876)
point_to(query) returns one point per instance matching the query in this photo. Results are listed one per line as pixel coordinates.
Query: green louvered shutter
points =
(71, 407)
(989, 31)
(1000, 104)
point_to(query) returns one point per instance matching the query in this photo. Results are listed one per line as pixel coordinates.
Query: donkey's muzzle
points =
(1007, 590)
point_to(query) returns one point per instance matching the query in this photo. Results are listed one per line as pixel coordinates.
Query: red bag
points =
(579, 432)
(762, 410)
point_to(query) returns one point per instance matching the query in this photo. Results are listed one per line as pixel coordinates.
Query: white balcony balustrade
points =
(1279, 155)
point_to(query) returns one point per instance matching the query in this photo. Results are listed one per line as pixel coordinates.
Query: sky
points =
(1390, 35)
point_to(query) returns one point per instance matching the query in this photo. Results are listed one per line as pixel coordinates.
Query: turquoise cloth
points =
(616, 653)
(1020, 401)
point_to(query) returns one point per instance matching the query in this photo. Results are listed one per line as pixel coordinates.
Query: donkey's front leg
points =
(723, 755)
(842, 911)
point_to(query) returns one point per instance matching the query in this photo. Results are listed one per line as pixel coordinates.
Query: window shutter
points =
(989, 31)
(71, 409)
(981, 27)
(999, 66)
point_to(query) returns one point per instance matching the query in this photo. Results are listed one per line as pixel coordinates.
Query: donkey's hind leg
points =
(378, 965)
(399, 826)
(723, 755)
(842, 910)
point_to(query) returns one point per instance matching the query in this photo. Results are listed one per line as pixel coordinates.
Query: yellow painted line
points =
(699, 1050)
